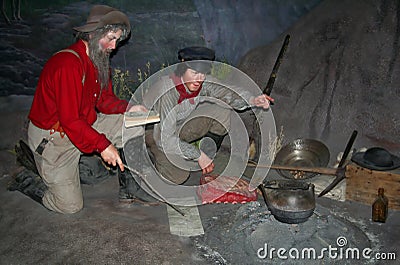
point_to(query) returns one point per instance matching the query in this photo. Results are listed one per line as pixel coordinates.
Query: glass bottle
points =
(380, 207)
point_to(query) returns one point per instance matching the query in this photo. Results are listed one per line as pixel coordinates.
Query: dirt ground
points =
(105, 232)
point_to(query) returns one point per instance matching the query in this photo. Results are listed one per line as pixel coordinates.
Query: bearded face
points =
(101, 46)
(101, 59)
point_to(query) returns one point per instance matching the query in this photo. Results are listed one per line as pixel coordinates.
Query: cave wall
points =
(159, 29)
(234, 27)
(341, 72)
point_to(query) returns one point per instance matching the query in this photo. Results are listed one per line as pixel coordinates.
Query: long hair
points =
(103, 31)
(100, 59)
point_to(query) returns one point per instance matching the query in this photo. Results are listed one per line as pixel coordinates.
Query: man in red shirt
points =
(75, 111)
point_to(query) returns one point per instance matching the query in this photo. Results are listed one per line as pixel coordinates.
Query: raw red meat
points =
(224, 189)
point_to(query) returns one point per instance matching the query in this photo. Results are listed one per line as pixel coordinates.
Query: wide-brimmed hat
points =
(197, 58)
(376, 158)
(102, 15)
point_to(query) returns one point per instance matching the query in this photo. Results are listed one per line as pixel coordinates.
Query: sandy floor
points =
(105, 232)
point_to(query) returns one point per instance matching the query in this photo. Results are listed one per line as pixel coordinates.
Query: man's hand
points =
(205, 163)
(137, 108)
(111, 156)
(262, 101)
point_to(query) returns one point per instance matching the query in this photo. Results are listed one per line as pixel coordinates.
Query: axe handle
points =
(268, 89)
(348, 148)
(340, 177)
(336, 181)
(319, 170)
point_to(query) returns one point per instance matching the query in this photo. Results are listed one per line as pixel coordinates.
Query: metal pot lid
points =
(290, 201)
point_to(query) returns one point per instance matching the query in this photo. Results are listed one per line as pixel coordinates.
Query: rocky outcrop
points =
(341, 73)
(159, 30)
(233, 28)
(19, 69)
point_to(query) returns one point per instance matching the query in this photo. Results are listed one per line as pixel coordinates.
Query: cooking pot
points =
(302, 153)
(290, 201)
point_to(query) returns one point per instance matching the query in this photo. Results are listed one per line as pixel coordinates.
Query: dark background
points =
(159, 30)
(340, 73)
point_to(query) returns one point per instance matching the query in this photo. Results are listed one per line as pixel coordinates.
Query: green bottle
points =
(380, 207)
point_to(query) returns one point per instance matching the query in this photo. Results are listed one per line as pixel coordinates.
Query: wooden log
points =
(319, 170)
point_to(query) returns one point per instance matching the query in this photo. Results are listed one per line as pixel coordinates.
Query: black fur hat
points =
(196, 53)
(197, 58)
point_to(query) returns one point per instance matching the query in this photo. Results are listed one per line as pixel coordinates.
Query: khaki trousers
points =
(59, 163)
(190, 131)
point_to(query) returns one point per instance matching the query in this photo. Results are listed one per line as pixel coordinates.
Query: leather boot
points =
(29, 184)
(25, 156)
(129, 188)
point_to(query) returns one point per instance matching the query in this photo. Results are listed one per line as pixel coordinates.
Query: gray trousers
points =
(59, 163)
(191, 131)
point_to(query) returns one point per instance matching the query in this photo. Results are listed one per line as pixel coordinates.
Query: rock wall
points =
(232, 28)
(159, 30)
(341, 73)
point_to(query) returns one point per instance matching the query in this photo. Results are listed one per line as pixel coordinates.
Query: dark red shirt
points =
(62, 97)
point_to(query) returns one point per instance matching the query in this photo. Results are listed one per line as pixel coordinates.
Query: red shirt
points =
(61, 97)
